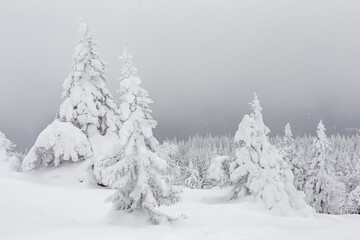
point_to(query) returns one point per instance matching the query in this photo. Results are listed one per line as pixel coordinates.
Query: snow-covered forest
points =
(98, 167)
(199, 159)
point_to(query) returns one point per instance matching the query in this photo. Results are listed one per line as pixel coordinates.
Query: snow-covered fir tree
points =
(323, 193)
(352, 204)
(218, 170)
(86, 122)
(88, 104)
(6, 148)
(192, 179)
(170, 153)
(136, 171)
(290, 155)
(285, 144)
(346, 165)
(288, 145)
(201, 159)
(199, 152)
(288, 132)
(300, 164)
(8, 154)
(345, 153)
(260, 171)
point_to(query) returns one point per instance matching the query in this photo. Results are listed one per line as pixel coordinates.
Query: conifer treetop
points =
(321, 130)
(134, 100)
(88, 103)
(288, 132)
(321, 143)
(257, 115)
(127, 68)
(86, 63)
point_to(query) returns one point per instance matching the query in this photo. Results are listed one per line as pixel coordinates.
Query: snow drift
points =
(59, 142)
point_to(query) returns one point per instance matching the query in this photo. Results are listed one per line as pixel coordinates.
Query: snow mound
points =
(104, 145)
(58, 142)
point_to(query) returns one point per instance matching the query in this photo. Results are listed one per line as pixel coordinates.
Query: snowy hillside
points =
(98, 170)
(52, 205)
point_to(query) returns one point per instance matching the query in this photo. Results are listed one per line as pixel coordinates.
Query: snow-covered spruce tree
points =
(288, 132)
(192, 179)
(201, 160)
(288, 145)
(8, 154)
(85, 118)
(290, 156)
(218, 171)
(323, 192)
(300, 164)
(260, 171)
(170, 152)
(136, 171)
(88, 104)
(352, 204)
(285, 144)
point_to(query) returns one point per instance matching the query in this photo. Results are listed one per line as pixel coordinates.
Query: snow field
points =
(34, 210)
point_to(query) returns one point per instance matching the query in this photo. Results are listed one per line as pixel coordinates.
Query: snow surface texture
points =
(58, 142)
(260, 171)
(137, 171)
(53, 205)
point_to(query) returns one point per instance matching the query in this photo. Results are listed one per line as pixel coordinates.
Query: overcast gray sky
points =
(201, 61)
